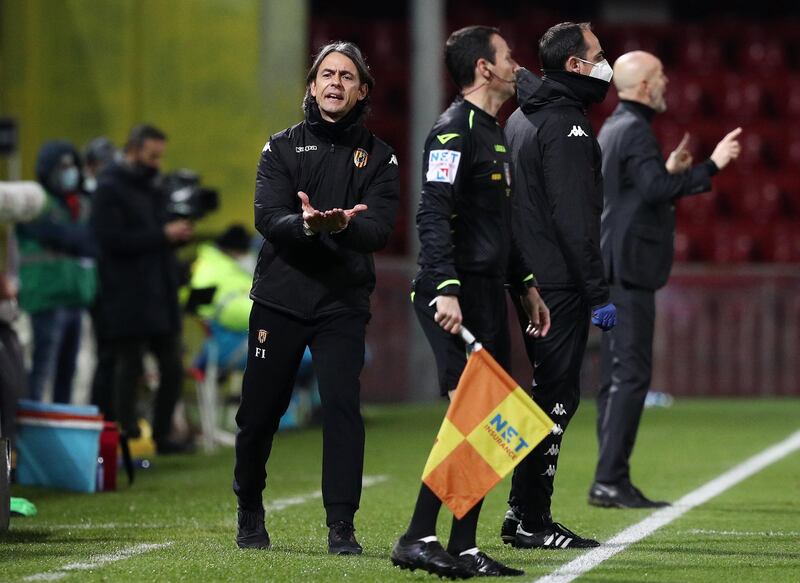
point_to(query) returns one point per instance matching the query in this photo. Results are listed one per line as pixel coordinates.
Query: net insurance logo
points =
(443, 166)
(506, 436)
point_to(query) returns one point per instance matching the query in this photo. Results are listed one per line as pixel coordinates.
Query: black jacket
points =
(559, 187)
(639, 216)
(464, 213)
(136, 263)
(337, 167)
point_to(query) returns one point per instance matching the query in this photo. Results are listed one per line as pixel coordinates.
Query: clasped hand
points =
(330, 221)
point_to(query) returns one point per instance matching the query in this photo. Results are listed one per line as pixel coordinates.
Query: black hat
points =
(235, 238)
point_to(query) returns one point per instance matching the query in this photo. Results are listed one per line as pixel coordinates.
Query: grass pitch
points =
(749, 533)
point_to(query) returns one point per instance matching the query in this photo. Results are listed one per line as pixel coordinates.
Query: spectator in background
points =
(57, 270)
(98, 154)
(218, 269)
(638, 227)
(139, 281)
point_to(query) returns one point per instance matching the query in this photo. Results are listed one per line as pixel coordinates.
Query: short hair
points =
(139, 134)
(352, 52)
(560, 42)
(463, 49)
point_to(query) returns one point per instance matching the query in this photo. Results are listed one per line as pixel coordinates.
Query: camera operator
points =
(139, 282)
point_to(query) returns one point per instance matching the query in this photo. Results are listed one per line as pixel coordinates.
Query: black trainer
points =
(552, 536)
(427, 556)
(623, 495)
(251, 533)
(482, 565)
(342, 539)
(509, 528)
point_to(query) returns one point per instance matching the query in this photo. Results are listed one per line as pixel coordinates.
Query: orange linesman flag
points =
(490, 426)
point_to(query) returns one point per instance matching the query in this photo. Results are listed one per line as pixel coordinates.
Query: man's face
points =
(594, 54)
(503, 69)
(656, 86)
(337, 87)
(150, 154)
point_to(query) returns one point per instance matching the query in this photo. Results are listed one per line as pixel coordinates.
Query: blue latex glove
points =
(605, 317)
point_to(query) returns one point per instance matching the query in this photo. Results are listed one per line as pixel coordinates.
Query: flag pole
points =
(470, 340)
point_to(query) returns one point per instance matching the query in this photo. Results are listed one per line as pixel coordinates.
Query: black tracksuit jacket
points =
(312, 276)
(557, 163)
(464, 214)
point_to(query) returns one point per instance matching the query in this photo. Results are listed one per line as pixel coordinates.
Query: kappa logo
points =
(550, 471)
(393, 160)
(558, 410)
(301, 149)
(360, 158)
(557, 430)
(267, 147)
(554, 450)
(577, 132)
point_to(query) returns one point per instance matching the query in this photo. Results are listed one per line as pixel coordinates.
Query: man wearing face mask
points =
(57, 271)
(557, 221)
(138, 306)
(641, 190)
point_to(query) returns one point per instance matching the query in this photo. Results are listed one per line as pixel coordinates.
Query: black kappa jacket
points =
(639, 216)
(559, 192)
(311, 276)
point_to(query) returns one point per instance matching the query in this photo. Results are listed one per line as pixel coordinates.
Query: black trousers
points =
(127, 358)
(483, 310)
(276, 343)
(557, 360)
(627, 363)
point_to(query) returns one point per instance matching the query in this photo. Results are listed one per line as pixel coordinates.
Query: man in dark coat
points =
(637, 233)
(327, 191)
(556, 220)
(138, 304)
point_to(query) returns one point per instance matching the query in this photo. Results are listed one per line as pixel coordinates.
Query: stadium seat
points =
(759, 200)
(782, 243)
(698, 209)
(734, 242)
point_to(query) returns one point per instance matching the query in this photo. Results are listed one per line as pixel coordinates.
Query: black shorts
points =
(483, 309)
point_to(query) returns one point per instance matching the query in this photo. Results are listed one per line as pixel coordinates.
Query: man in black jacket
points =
(326, 196)
(138, 300)
(557, 222)
(466, 257)
(637, 233)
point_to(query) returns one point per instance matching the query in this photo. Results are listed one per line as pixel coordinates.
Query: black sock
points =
(462, 533)
(423, 521)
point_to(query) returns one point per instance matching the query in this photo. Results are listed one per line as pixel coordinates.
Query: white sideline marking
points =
(281, 503)
(97, 561)
(763, 533)
(588, 561)
(101, 560)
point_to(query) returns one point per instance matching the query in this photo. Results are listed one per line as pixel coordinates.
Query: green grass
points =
(749, 533)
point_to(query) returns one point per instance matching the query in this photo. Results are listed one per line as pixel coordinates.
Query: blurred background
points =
(220, 76)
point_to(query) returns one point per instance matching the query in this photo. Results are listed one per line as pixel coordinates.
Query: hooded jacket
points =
(559, 192)
(56, 249)
(338, 165)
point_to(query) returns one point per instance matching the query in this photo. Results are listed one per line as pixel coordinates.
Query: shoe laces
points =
(343, 530)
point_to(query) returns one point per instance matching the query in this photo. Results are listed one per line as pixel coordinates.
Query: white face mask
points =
(601, 70)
